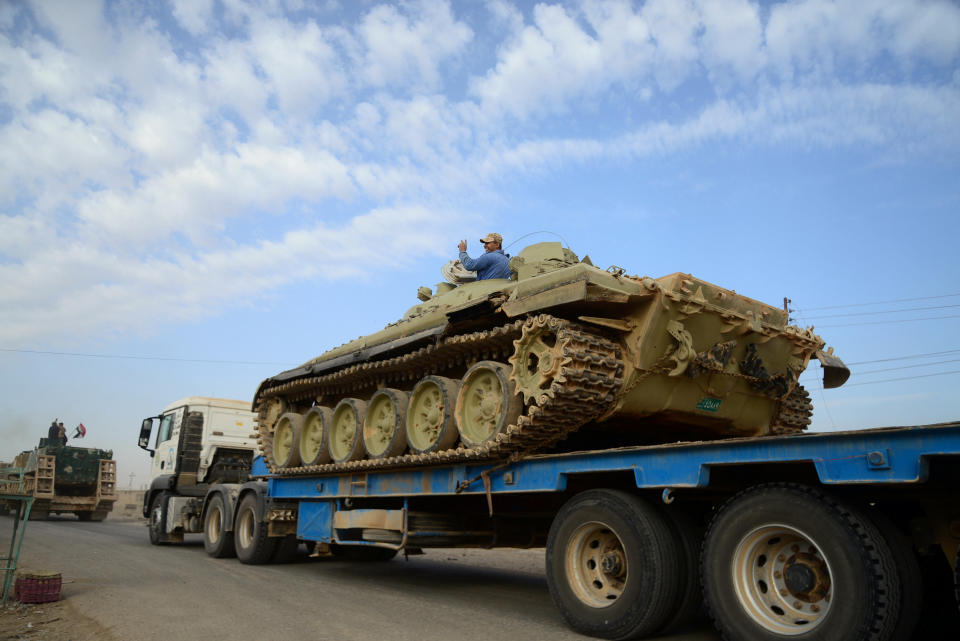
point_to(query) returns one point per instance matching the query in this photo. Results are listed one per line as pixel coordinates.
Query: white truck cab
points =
(200, 435)
(203, 450)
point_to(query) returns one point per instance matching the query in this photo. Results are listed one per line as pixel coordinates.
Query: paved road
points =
(128, 590)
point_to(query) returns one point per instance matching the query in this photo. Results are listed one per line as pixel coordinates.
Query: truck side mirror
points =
(145, 428)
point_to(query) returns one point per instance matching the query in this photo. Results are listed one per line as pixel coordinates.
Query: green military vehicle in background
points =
(62, 479)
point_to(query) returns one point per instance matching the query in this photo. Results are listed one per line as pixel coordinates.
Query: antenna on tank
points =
(543, 231)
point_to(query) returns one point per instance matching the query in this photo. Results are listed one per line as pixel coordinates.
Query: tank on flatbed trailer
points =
(64, 479)
(847, 536)
(562, 356)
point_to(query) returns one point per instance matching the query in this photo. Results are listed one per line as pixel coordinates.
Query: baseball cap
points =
(492, 237)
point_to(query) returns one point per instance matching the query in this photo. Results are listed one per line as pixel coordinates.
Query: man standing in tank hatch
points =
(492, 264)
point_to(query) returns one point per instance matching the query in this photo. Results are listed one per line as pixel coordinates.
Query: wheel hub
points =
(489, 406)
(806, 577)
(613, 564)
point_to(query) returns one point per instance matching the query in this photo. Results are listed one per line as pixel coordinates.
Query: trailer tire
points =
(252, 544)
(158, 519)
(908, 569)
(785, 560)
(217, 541)
(612, 565)
(688, 533)
(956, 579)
(362, 553)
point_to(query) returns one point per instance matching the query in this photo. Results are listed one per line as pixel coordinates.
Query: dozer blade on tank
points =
(562, 356)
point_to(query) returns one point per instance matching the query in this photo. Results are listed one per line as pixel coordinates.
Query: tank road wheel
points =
(538, 359)
(315, 436)
(384, 425)
(286, 440)
(250, 538)
(788, 560)
(487, 403)
(431, 425)
(216, 540)
(346, 430)
(612, 565)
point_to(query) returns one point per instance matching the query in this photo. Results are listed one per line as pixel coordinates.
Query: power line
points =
(905, 358)
(888, 311)
(139, 358)
(883, 302)
(891, 369)
(905, 378)
(890, 322)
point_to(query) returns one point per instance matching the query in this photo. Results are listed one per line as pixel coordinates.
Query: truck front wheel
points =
(613, 566)
(250, 538)
(158, 519)
(216, 540)
(785, 560)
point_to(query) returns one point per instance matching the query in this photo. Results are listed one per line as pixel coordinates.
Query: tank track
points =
(583, 389)
(793, 412)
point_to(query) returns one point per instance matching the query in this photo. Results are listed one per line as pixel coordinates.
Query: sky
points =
(198, 194)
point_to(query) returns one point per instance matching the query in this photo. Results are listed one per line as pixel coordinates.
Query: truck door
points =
(164, 461)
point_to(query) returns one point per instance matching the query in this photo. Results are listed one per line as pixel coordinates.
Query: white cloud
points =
(116, 140)
(105, 291)
(826, 36)
(674, 26)
(300, 65)
(400, 51)
(732, 38)
(194, 15)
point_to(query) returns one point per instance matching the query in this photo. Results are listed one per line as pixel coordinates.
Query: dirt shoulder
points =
(57, 621)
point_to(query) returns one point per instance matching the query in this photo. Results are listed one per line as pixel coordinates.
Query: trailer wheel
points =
(785, 560)
(612, 565)
(908, 570)
(362, 553)
(217, 541)
(956, 579)
(158, 519)
(250, 538)
(688, 533)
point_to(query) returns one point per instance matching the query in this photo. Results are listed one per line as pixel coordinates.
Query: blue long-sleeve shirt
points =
(493, 264)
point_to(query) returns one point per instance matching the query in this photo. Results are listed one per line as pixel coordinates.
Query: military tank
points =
(562, 356)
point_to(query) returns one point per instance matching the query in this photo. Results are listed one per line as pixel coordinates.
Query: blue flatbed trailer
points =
(827, 536)
(901, 484)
